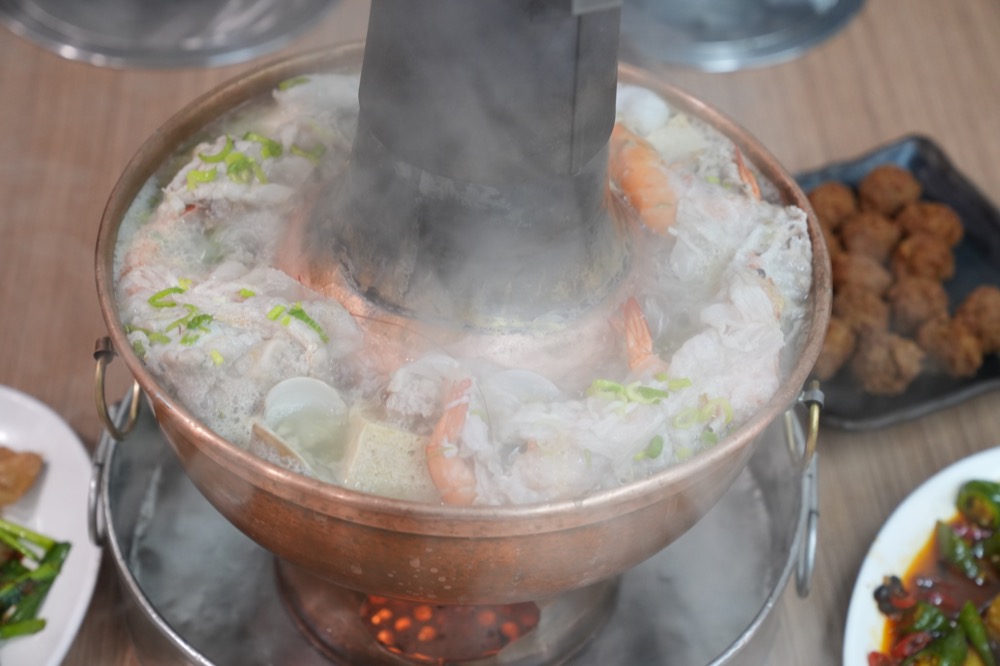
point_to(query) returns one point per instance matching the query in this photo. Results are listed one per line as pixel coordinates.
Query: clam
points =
(305, 421)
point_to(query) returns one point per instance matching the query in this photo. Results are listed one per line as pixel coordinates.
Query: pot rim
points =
(421, 518)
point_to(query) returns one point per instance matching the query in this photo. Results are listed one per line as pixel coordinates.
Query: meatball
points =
(887, 188)
(838, 345)
(923, 255)
(849, 268)
(870, 233)
(932, 218)
(951, 346)
(833, 202)
(861, 309)
(886, 363)
(832, 240)
(913, 300)
(980, 313)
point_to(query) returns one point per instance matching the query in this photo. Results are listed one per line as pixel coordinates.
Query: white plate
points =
(898, 542)
(56, 506)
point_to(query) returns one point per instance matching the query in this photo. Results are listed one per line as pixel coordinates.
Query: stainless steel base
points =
(727, 35)
(161, 33)
(200, 592)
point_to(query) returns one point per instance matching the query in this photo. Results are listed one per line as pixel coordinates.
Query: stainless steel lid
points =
(727, 35)
(161, 33)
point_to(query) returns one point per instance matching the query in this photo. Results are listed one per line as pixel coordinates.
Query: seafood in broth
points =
(696, 337)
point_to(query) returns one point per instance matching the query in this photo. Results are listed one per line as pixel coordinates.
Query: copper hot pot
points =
(445, 554)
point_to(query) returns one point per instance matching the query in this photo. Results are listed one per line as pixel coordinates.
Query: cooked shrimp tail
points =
(640, 172)
(452, 475)
(746, 175)
(638, 339)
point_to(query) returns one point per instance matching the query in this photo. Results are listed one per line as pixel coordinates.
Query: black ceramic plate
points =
(977, 261)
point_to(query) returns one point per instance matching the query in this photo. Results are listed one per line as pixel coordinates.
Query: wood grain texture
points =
(67, 130)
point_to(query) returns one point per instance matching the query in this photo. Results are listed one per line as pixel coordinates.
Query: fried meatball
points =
(886, 363)
(861, 309)
(838, 345)
(923, 255)
(833, 202)
(951, 346)
(850, 268)
(980, 313)
(932, 218)
(870, 233)
(832, 240)
(887, 188)
(913, 300)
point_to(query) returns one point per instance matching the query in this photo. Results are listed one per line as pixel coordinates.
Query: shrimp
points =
(746, 175)
(639, 341)
(639, 170)
(454, 477)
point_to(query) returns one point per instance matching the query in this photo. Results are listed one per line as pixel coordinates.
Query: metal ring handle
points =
(813, 398)
(96, 525)
(810, 526)
(104, 353)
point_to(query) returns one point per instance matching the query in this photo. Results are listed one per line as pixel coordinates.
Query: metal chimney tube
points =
(477, 188)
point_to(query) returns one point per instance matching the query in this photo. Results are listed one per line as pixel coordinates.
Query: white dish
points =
(56, 506)
(898, 542)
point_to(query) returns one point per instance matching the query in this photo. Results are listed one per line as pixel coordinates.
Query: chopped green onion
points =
(646, 395)
(160, 299)
(184, 283)
(655, 447)
(152, 336)
(221, 155)
(713, 407)
(190, 338)
(686, 418)
(605, 388)
(139, 348)
(216, 357)
(197, 176)
(314, 155)
(276, 312)
(678, 383)
(286, 320)
(710, 438)
(268, 146)
(713, 179)
(182, 323)
(300, 314)
(200, 322)
(683, 453)
(291, 83)
(247, 293)
(242, 168)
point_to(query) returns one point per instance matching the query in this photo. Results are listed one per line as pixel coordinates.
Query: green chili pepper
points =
(979, 501)
(948, 650)
(957, 554)
(297, 312)
(975, 631)
(268, 146)
(924, 617)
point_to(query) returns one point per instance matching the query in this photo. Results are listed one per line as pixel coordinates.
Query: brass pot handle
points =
(812, 397)
(104, 353)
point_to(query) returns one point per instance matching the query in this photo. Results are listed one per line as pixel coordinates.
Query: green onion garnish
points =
(200, 322)
(286, 320)
(300, 314)
(219, 156)
(182, 323)
(646, 395)
(195, 177)
(710, 438)
(152, 336)
(216, 357)
(139, 348)
(686, 418)
(276, 312)
(713, 408)
(291, 83)
(678, 384)
(268, 146)
(190, 338)
(314, 155)
(247, 293)
(605, 388)
(242, 168)
(160, 299)
(655, 447)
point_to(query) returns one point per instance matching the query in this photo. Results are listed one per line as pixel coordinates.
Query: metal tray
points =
(200, 592)
(161, 33)
(977, 262)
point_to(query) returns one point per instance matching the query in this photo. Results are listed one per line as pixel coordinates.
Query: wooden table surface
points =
(902, 66)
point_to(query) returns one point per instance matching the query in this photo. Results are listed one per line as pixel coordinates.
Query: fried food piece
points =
(887, 188)
(838, 345)
(18, 471)
(833, 202)
(951, 346)
(913, 300)
(861, 309)
(886, 363)
(923, 255)
(980, 313)
(860, 270)
(928, 217)
(871, 233)
(832, 240)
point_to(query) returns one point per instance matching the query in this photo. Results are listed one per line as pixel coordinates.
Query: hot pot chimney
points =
(476, 193)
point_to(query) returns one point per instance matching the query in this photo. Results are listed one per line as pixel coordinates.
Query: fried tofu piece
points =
(18, 472)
